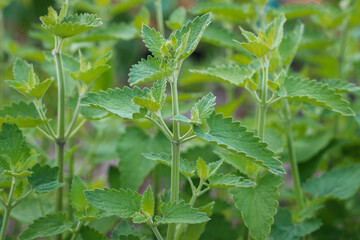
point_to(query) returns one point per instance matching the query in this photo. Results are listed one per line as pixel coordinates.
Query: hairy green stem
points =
(76, 232)
(292, 156)
(262, 106)
(8, 209)
(175, 153)
(159, 16)
(60, 140)
(70, 175)
(154, 229)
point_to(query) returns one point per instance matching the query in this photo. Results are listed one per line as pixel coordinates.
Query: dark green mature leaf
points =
(129, 237)
(194, 231)
(134, 166)
(232, 74)
(44, 178)
(49, 225)
(148, 70)
(203, 108)
(22, 114)
(229, 180)
(316, 93)
(342, 86)
(125, 229)
(285, 229)
(153, 40)
(258, 205)
(339, 183)
(116, 101)
(89, 233)
(180, 212)
(187, 168)
(235, 137)
(68, 26)
(221, 37)
(123, 203)
(14, 150)
(290, 44)
(194, 29)
(77, 196)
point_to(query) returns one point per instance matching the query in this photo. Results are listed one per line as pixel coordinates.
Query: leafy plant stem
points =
(76, 232)
(292, 157)
(74, 118)
(262, 106)
(8, 208)
(154, 229)
(175, 152)
(60, 140)
(159, 16)
(50, 131)
(70, 175)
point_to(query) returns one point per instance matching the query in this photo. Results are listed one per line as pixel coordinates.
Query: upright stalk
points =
(292, 156)
(60, 140)
(262, 106)
(8, 208)
(175, 152)
(159, 16)
(70, 175)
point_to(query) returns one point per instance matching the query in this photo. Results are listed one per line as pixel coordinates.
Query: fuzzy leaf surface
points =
(235, 137)
(44, 178)
(258, 205)
(90, 233)
(148, 202)
(22, 114)
(180, 212)
(342, 86)
(147, 70)
(153, 40)
(203, 108)
(77, 196)
(229, 180)
(316, 93)
(123, 203)
(339, 183)
(187, 168)
(49, 225)
(116, 101)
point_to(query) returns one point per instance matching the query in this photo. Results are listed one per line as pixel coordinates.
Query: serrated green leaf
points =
(201, 169)
(14, 150)
(221, 37)
(134, 166)
(148, 202)
(194, 231)
(258, 205)
(229, 180)
(49, 225)
(258, 49)
(22, 114)
(158, 91)
(290, 44)
(214, 166)
(69, 26)
(90, 233)
(44, 178)
(203, 108)
(153, 40)
(232, 74)
(285, 229)
(339, 183)
(316, 93)
(176, 19)
(26, 81)
(116, 101)
(187, 168)
(77, 196)
(194, 29)
(90, 74)
(274, 31)
(147, 103)
(180, 212)
(123, 203)
(235, 137)
(148, 70)
(341, 86)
